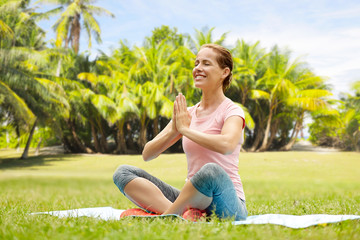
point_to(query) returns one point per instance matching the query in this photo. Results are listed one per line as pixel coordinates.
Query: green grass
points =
(275, 182)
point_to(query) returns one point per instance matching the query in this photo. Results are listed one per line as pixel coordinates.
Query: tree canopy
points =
(118, 101)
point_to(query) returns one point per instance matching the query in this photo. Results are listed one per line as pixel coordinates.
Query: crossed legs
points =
(210, 189)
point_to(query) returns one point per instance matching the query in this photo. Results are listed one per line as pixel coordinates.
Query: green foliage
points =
(340, 128)
(117, 102)
(42, 137)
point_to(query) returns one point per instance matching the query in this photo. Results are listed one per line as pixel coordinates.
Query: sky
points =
(324, 33)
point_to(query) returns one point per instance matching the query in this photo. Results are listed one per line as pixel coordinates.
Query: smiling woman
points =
(212, 133)
(213, 58)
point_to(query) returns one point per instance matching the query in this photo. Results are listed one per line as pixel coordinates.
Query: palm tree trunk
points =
(94, 135)
(75, 33)
(297, 128)
(132, 147)
(292, 141)
(273, 129)
(17, 130)
(156, 126)
(26, 150)
(259, 133)
(243, 97)
(143, 131)
(77, 140)
(121, 143)
(294, 130)
(267, 130)
(103, 142)
(256, 142)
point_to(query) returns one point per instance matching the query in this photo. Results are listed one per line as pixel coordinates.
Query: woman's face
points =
(207, 72)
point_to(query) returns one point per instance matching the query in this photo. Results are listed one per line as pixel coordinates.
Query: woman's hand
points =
(182, 116)
(173, 120)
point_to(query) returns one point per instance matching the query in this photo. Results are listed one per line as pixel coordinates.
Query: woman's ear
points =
(226, 72)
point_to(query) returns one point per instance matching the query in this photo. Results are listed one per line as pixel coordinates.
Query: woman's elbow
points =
(228, 148)
(145, 158)
(145, 154)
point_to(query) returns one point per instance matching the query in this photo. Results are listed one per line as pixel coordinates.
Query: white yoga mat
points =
(291, 221)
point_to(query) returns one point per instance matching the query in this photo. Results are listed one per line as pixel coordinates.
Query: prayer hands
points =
(181, 116)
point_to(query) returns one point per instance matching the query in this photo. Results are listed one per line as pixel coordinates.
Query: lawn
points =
(275, 182)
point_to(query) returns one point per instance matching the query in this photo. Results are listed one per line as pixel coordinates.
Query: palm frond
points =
(5, 31)
(105, 106)
(18, 105)
(166, 108)
(48, 14)
(259, 94)
(314, 93)
(99, 11)
(10, 6)
(250, 124)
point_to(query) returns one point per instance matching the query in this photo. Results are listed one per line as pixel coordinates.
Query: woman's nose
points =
(198, 67)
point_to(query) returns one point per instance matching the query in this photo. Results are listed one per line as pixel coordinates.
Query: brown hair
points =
(224, 60)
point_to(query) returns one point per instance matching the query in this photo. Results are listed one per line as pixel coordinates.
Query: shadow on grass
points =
(45, 160)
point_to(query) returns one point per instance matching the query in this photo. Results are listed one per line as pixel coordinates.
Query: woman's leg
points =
(189, 197)
(212, 180)
(212, 189)
(143, 189)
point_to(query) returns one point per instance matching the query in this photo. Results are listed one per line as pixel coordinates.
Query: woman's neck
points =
(212, 99)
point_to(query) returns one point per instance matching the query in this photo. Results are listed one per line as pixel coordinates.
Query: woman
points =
(212, 133)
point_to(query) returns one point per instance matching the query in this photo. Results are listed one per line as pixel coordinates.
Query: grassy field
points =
(275, 182)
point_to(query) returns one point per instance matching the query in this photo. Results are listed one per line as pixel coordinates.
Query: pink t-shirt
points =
(197, 156)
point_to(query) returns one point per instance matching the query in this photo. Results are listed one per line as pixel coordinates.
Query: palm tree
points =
(92, 111)
(351, 117)
(29, 98)
(306, 100)
(203, 37)
(153, 72)
(18, 23)
(69, 25)
(248, 67)
(277, 83)
(95, 107)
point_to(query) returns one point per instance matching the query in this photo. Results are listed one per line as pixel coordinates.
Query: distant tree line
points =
(119, 101)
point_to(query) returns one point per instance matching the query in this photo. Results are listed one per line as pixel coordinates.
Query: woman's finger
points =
(175, 107)
(179, 103)
(184, 103)
(174, 110)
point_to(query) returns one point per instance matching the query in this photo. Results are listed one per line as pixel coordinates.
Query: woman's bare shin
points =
(147, 195)
(189, 197)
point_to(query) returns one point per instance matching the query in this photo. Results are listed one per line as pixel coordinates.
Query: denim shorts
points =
(211, 180)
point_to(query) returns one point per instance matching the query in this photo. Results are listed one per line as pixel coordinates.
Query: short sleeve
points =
(234, 110)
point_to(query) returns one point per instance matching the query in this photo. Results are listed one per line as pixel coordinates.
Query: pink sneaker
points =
(194, 214)
(136, 212)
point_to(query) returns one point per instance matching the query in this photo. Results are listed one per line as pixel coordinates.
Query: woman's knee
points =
(211, 170)
(206, 180)
(122, 171)
(123, 175)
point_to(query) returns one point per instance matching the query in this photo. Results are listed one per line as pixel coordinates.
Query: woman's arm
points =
(224, 143)
(165, 139)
